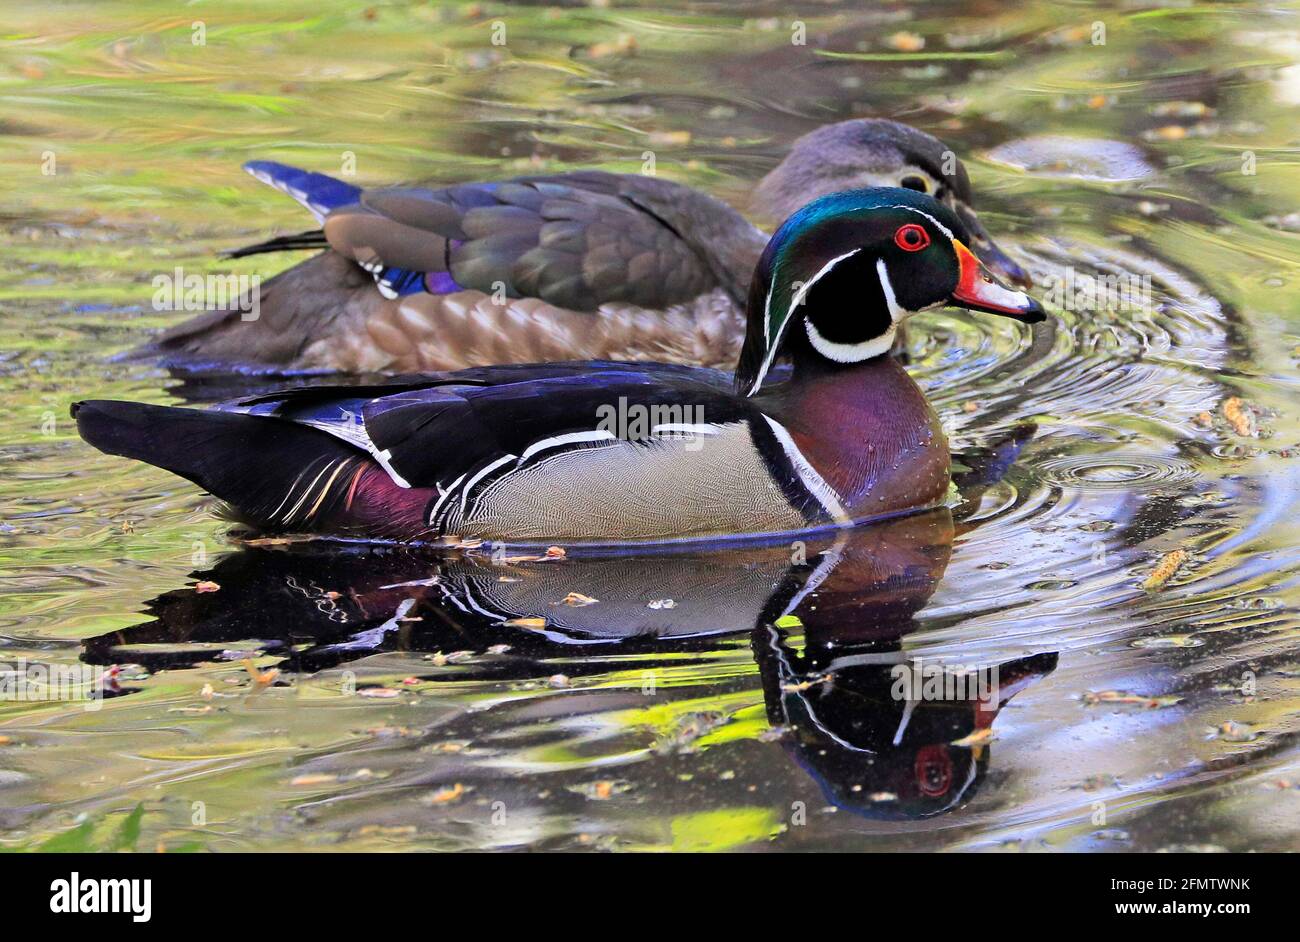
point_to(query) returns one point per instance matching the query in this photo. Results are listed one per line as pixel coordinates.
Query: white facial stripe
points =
(803, 288)
(896, 313)
(794, 303)
(920, 212)
(813, 481)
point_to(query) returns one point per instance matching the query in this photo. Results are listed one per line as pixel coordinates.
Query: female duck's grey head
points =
(843, 272)
(876, 152)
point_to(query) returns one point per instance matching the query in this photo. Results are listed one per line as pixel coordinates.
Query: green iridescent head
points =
(843, 272)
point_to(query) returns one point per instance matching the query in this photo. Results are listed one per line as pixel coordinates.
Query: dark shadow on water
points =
(883, 735)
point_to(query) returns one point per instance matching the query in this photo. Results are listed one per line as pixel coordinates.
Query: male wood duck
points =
(586, 265)
(599, 452)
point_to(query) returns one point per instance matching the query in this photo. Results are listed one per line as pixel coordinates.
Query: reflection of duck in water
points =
(854, 592)
(883, 736)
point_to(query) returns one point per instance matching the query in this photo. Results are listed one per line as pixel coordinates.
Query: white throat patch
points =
(876, 346)
(850, 352)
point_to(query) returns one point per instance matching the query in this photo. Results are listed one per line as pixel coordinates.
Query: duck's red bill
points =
(978, 290)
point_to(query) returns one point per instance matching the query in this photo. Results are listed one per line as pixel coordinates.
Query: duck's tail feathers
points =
(318, 193)
(272, 473)
(322, 296)
(311, 239)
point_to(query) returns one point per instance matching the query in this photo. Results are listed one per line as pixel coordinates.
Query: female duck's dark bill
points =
(978, 290)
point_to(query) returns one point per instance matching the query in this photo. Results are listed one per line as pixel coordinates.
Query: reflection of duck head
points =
(322, 605)
(883, 737)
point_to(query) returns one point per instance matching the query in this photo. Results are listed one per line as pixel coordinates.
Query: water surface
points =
(740, 699)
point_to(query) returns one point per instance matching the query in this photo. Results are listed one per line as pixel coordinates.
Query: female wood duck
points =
(586, 265)
(598, 452)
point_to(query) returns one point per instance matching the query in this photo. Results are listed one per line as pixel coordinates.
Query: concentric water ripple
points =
(1121, 367)
(1116, 470)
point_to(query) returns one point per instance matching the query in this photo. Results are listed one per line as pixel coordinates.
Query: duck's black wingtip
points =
(119, 428)
(249, 461)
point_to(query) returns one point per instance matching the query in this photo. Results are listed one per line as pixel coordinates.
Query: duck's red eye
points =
(911, 237)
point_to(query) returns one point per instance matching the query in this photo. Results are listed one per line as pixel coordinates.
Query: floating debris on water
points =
(530, 622)
(904, 41)
(261, 678)
(1232, 731)
(1241, 420)
(1099, 782)
(978, 738)
(806, 684)
(393, 732)
(1051, 585)
(1256, 603)
(1112, 834)
(446, 795)
(1124, 697)
(1166, 569)
(552, 553)
(625, 45)
(1168, 641)
(1181, 109)
(438, 659)
(1240, 416)
(384, 830)
(449, 747)
(313, 778)
(601, 790)
(688, 729)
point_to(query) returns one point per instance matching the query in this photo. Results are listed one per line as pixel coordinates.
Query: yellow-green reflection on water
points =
(122, 140)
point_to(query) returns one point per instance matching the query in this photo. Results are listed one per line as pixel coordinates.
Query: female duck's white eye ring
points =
(911, 237)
